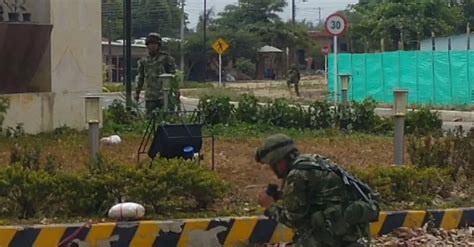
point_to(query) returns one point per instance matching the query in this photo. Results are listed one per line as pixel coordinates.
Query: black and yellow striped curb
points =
(207, 232)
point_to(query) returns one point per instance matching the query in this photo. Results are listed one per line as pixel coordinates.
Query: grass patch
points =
(401, 187)
(194, 84)
(108, 87)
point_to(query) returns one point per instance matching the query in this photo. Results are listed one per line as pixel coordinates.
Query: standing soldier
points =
(294, 78)
(149, 70)
(323, 204)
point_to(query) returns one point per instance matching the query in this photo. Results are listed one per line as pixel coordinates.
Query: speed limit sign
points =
(336, 24)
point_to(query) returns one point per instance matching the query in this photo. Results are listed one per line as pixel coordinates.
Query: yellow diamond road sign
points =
(220, 46)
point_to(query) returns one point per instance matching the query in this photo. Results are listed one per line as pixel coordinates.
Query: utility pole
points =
(109, 57)
(433, 42)
(468, 34)
(401, 44)
(319, 10)
(293, 11)
(182, 37)
(204, 40)
(293, 21)
(128, 52)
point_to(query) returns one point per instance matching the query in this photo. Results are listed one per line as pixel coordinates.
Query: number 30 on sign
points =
(336, 24)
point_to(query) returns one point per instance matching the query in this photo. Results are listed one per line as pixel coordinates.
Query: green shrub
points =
(216, 109)
(321, 116)
(363, 117)
(383, 125)
(118, 119)
(423, 122)
(168, 185)
(360, 117)
(118, 114)
(248, 110)
(430, 151)
(26, 156)
(407, 186)
(32, 191)
(79, 196)
(279, 113)
(463, 151)
(185, 182)
(454, 151)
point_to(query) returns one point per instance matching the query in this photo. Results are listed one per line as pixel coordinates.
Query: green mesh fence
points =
(431, 78)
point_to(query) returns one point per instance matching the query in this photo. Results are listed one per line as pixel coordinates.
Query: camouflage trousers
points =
(297, 90)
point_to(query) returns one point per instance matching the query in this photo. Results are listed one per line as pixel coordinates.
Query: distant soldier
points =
(294, 78)
(149, 70)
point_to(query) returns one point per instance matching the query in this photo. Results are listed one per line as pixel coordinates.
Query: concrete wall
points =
(41, 112)
(458, 43)
(75, 66)
(76, 46)
(40, 11)
(33, 110)
(75, 57)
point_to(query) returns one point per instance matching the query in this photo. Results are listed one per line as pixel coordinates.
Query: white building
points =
(51, 63)
(453, 43)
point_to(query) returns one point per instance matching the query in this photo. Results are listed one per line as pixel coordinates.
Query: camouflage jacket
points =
(149, 70)
(313, 204)
(293, 76)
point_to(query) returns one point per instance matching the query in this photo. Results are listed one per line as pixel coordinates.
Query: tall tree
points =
(162, 16)
(112, 11)
(247, 27)
(404, 21)
(258, 24)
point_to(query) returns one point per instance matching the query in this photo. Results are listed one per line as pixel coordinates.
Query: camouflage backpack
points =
(364, 207)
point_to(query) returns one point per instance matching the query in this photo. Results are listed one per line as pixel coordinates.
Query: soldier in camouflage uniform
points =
(316, 202)
(149, 70)
(294, 78)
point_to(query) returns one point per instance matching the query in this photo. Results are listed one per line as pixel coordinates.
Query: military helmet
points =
(275, 148)
(153, 38)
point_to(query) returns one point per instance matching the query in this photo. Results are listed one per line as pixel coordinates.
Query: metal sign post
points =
(220, 46)
(220, 69)
(336, 70)
(325, 52)
(336, 25)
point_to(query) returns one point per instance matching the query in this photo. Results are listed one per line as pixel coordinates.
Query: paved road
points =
(452, 125)
(190, 104)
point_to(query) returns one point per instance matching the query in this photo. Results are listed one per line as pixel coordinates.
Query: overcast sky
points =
(305, 9)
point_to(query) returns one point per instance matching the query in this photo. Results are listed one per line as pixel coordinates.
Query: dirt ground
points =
(311, 88)
(234, 158)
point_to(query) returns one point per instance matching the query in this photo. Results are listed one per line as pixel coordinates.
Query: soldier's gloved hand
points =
(265, 200)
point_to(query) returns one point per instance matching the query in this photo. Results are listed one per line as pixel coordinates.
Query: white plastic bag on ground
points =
(127, 211)
(111, 140)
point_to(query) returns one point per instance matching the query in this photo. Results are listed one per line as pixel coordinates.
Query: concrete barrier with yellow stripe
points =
(207, 232)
